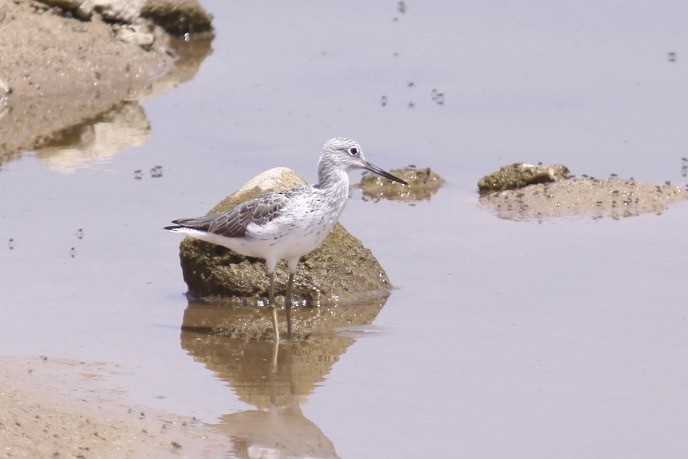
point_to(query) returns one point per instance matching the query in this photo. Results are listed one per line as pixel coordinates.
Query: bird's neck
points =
(334, 184)
(333, 178)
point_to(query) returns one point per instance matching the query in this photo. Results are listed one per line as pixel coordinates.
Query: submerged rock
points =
(518, 175)
(340, 271)
(422, 184)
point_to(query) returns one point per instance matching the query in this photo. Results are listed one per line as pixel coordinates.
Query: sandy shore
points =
(63, 408)
(58, 71)
(81, 60)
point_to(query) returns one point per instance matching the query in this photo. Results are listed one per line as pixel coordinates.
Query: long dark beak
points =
(385, 174)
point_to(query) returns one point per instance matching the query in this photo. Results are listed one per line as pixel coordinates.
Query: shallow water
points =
(565, 338)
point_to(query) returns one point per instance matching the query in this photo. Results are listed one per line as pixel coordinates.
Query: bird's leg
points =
(273, 367)
(271, 299)
(287, 302)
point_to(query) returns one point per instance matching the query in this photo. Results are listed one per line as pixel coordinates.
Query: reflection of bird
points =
(285, 225)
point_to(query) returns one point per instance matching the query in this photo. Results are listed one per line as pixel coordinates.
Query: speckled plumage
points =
(285, 225)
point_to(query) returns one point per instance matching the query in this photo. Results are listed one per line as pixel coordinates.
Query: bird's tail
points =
(181, 224)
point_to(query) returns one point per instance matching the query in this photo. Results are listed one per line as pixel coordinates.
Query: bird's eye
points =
(353, 151)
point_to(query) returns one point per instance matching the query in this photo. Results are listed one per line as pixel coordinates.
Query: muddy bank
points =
(63, 408)
(61, 68)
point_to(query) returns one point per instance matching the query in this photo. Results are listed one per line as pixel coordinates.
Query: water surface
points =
(565, 338)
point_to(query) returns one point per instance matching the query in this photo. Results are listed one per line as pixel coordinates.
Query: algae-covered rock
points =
(519, 175)
(422, 184)
(340, 271)
(177, 17)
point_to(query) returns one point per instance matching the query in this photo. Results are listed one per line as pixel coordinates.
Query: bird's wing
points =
(259, 210)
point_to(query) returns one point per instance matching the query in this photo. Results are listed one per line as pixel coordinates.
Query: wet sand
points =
(62, 408)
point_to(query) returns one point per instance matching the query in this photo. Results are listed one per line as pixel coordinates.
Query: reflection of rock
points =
(340, 271)
(189, 55)
(518, 175)
(422, 184)
(599, 198)
(275, 378)
(231, 319)
(123, 127)
(263, 373)
(33, 123)
(277, 432)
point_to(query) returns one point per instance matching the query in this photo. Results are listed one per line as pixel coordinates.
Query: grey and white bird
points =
(286, 225)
